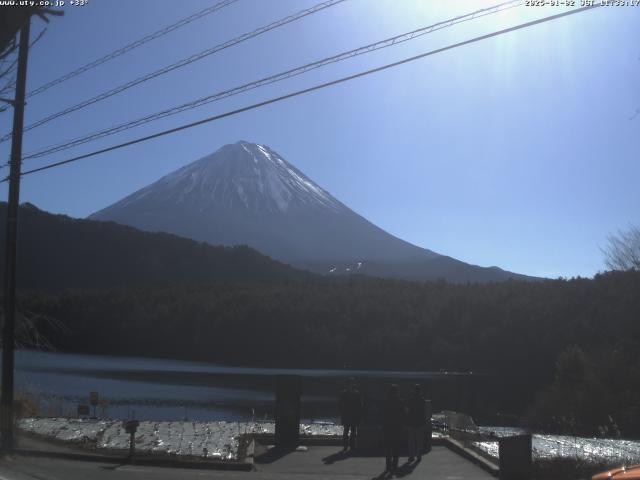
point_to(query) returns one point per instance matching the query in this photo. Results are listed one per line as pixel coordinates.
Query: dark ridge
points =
(57, 251)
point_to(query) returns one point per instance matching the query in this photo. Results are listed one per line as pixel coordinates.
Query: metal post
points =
(6, 402)
(132, 444)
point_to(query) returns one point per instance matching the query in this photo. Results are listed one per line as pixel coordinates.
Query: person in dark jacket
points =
(393, 416)
(416, 422)
(350, 414)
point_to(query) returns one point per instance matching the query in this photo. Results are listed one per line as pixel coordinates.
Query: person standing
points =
(416, 422)
(350, 414)
(393, 420)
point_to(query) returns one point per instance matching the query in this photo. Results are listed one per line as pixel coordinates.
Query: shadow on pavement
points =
(114, 467)
(406, 469)
(383, 476)
(336, 457)
(273, 454)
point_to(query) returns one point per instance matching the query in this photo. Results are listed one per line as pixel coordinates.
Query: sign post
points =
(94, 398)
(130, 427)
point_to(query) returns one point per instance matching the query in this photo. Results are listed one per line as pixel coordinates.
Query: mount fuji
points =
(245, 193)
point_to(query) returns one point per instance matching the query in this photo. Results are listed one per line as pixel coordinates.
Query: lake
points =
(161, 389)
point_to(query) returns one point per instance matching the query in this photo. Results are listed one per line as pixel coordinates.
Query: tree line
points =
(572, 344)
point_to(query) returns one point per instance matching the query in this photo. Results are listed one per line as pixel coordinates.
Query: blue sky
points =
(520, 151)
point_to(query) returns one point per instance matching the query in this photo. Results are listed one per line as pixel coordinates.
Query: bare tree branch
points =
(9, 49)
(10, 70)
(28, 330)
(623, 250)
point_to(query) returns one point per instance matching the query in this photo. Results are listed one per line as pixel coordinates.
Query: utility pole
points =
(6, 402)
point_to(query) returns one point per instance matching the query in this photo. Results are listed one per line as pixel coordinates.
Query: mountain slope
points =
(246, 193)
(56, 251)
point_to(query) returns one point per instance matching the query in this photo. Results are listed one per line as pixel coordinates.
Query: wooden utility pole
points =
(8, 330)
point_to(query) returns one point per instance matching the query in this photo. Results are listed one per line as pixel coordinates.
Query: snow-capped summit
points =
(243, 176)
(246, 193)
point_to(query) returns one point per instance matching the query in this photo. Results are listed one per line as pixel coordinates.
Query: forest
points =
(569, 347)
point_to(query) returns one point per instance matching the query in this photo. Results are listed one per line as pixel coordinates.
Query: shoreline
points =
(225, 441)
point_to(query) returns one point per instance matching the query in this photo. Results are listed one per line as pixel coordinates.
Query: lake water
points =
(159, 389)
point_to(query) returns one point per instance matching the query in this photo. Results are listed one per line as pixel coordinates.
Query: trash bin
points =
(287, 414)
(514, 455)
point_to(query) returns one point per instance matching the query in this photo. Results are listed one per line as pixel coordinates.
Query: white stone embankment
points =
(545, 447)
(204, 440)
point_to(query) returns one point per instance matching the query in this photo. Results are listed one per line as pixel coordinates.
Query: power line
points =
(133, 45)
(273, 79)
(186, 61)
(308, 90)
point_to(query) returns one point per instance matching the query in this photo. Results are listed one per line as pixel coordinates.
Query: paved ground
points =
(314, 464)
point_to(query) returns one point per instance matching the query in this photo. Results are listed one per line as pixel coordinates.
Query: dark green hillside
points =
(56, 251)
